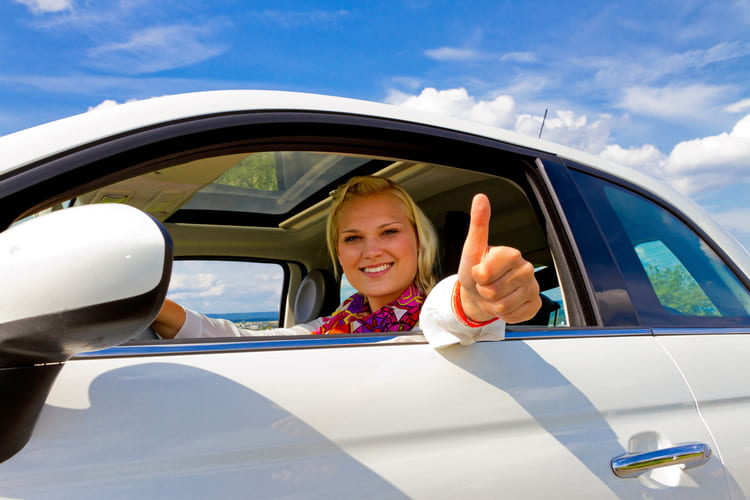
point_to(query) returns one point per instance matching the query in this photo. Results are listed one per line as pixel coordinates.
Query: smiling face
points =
(377, 245)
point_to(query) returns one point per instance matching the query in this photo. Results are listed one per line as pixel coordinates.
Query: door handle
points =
(635, 464)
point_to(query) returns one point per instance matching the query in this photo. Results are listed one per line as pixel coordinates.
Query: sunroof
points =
(259, 189)
(272, 182)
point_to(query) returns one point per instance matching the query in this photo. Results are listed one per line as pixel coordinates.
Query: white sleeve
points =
(442, 328)
(198, 325)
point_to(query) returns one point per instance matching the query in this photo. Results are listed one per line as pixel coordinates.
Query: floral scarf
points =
(354, 316)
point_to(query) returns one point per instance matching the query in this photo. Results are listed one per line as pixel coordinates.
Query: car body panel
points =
(716, 369)
(529, 418)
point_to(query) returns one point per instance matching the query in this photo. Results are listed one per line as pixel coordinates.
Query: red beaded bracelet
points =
(458, 310)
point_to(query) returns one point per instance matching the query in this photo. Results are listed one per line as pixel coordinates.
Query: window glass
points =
(346, 290)
(675, 287)
(674, 278)
(246, 293)
(271, 182)
(553, 301)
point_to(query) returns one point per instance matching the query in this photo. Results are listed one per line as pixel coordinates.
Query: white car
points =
(632, 382)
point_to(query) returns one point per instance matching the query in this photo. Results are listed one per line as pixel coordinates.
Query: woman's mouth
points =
(376, 269)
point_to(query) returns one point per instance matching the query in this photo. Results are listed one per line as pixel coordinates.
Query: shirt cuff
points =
(442, 328)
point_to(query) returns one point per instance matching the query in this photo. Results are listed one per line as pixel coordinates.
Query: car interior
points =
(271, 206)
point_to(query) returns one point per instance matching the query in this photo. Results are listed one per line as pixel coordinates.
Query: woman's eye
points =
(389, 232)
(349, 239)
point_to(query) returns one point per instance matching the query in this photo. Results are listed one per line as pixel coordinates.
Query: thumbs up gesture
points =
(496, 282)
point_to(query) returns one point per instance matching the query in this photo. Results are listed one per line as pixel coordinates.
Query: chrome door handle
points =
(635, 464)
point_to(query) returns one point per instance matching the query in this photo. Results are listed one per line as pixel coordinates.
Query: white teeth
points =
(376, 269)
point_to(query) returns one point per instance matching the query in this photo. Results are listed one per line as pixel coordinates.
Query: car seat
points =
(452, 228)
(317, 296)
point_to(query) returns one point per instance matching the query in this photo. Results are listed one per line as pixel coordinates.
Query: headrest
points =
(313, 296)
(452, 228)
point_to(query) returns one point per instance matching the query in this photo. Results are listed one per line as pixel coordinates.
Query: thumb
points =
(475, 246)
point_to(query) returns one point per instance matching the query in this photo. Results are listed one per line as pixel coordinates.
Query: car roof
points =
(37, 143)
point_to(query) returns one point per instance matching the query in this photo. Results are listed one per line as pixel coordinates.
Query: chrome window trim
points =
(726, 330)
(573, 333)
(316, 342)
(248, 344)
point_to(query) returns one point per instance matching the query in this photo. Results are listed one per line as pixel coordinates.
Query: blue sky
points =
(660, 86)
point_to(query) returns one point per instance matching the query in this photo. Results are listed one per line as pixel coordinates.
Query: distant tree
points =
(678, 290)
(255, 171)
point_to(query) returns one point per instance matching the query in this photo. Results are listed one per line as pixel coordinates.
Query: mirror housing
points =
(75, 280)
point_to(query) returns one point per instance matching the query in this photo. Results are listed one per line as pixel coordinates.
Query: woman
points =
(386, 247)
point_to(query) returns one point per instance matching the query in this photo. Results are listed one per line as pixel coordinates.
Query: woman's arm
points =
(170, 319)
(175, 321)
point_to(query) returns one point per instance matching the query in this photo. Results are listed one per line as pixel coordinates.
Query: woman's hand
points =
(496, 282)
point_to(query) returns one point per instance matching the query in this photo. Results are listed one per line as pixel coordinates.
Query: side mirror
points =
(80, 279)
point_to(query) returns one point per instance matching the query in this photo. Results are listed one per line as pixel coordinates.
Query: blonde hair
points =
(426, 236)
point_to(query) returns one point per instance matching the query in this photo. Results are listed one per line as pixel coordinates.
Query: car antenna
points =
(544, 118)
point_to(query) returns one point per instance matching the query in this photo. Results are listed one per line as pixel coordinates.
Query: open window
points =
(236, 209)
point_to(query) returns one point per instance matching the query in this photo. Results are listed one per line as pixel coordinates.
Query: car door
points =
(529, 418)
(542, 413)
(696, 302)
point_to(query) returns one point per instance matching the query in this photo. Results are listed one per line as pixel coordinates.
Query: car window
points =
(246, 293)
(674, 276)
(272, 206)
(346, 289)
(555, 307)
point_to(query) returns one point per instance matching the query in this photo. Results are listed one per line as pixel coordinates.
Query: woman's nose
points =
(372, 247)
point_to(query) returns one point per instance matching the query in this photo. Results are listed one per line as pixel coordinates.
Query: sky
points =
(658, 86)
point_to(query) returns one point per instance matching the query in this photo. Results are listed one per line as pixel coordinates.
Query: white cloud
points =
(655, 65)
(499, 112)
(45, 6)
(155, 49)
(568, 128)
(711, 162)
(215, 291)
(189, 287)
(464, 54)
(739, 106)
(696, 166)
(454, 54)
(736, 221)
(562, 126)
(192, 282)
(673, 101)
(405, 82)
(698, 58)
(107, 103)
(296, 19)
(646, 158)
(520, 57)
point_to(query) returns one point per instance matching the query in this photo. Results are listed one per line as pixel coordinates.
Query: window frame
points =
(90, 166)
